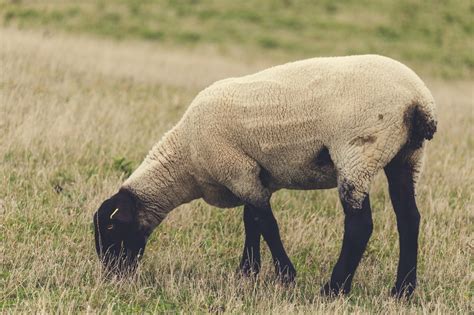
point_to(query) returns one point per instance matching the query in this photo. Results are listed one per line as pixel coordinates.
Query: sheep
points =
(319, 123)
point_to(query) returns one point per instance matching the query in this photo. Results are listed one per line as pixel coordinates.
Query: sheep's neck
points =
(162, 182)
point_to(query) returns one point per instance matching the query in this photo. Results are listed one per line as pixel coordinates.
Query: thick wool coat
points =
(312, 124)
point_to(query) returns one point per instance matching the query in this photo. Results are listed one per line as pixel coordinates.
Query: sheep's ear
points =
(122, 215)
(122, 206)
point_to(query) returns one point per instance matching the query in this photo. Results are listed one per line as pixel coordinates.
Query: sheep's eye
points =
(110, 227)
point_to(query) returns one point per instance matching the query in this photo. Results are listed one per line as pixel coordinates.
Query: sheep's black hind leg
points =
(250, 262)
(269, 228)
(402, 194)
(357, 231)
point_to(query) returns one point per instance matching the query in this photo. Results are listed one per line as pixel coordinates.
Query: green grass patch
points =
(401, 29)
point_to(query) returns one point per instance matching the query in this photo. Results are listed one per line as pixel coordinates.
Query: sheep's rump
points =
(306, 123)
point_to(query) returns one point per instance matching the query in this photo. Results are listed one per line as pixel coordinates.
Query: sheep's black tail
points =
(421, 124)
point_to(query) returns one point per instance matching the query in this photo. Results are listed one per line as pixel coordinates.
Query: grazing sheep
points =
(312, 124)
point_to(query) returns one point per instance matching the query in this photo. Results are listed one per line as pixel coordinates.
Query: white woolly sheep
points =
(313, 124)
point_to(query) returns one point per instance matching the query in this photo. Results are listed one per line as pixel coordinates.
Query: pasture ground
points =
(77, 114)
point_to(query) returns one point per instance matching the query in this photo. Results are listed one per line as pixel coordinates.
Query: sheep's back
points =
(284, 116)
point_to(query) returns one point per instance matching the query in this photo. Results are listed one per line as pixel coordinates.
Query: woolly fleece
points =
(308, 124)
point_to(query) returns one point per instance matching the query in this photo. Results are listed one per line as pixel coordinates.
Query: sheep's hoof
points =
(247, 270)
(402, 292)
(332, 290)
(286, 275)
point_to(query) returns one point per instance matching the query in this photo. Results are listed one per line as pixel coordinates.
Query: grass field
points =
(78, 113)
(436, 37)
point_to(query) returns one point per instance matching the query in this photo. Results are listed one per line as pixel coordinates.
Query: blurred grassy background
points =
(433, 37)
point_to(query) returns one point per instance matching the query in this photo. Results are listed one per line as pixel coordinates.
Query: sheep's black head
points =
(118, 239)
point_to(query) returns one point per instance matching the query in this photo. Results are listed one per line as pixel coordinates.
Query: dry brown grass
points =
(71, 106)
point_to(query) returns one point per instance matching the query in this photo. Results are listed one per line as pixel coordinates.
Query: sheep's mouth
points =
(124, 263)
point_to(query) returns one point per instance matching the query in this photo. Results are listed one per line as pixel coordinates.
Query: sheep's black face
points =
(118, 239)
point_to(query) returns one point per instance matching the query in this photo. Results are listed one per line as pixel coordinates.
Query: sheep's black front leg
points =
(402, 194)
(357, 231)
(250, 262)
(269, 228)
